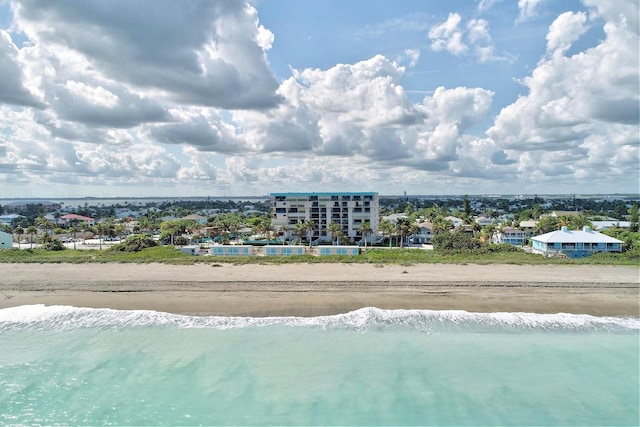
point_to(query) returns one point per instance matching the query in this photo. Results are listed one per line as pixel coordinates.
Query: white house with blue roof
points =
(574, 243)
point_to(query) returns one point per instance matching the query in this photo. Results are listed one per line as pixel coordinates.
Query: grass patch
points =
(378, 257)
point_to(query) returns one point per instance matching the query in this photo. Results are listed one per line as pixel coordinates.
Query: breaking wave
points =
(41, 317)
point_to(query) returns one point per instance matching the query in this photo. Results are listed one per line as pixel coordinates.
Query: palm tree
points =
(386, 228)
(564, 221)
(338, 235)
(335, 228)
(414, 229)
(99, 229)
(44, 223)
(31, 230)
(19, 231)
(300, 230)
(403, 227)
(73, 230)
(440, 225)
(144, 223)
(580, 221)
(366, 230)
(310, 225)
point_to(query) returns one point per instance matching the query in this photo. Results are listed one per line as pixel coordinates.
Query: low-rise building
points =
(280, 250)
(6, 240)
(338, 250)
(483, 221)
(457, 222)
(231, 250)
(425, 235)
(70, 219)
(574, 243)
(11, 219)
(510, 235)
(528, 227)
(604, 225)
(197, 218)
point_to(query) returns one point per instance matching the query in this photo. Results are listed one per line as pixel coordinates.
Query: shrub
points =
(53, 245)
(455, 241)
(134, 243)
(180, 241)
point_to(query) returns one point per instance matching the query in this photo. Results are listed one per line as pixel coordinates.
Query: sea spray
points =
(67, 365)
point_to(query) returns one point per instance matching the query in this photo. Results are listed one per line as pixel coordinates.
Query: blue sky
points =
(139, 98)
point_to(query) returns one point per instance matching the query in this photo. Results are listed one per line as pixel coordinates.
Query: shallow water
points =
(368, 367)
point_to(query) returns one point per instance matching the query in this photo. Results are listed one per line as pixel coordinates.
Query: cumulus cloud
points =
(528, 9)
(574, 103)
(459, 40)
(448, 36)
(566, 29)
(207, 53)
(410, 57)
(204, 132)
(116, 112)
(360, 110)
(12, 89)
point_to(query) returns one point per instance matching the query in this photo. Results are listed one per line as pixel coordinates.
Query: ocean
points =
(80, 366)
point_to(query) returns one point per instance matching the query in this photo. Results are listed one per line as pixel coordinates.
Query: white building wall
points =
(348, 209)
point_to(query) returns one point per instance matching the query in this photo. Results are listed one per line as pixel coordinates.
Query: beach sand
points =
(325, 289)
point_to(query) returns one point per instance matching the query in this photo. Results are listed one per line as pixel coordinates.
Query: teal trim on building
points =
(230, 250)
(338, 250)
(282, 250)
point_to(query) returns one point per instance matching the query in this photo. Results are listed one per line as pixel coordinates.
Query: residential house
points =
(11, 219)
(425, 235)
(70, 219)
(457, 222)
(197, 218)
(126, 213)
(558, 214)
(574, 243)
(604, 225)
(393, 218)
(6, 240)
(483, 221)
(510, 235)
(528, 227)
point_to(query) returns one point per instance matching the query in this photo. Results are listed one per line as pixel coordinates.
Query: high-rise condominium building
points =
(349, 210)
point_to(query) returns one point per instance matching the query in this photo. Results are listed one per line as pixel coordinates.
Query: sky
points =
(131, 98)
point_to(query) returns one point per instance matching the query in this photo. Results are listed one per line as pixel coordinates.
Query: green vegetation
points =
(491, 254)
(135, 243)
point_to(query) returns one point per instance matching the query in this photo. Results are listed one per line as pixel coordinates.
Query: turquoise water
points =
(65, 365)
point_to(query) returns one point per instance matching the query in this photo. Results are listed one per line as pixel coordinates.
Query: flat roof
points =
(326, 193)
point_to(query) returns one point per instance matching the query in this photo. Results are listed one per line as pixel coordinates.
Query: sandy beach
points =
(324, 289)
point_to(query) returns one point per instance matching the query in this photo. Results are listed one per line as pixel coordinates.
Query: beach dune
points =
(325, 289)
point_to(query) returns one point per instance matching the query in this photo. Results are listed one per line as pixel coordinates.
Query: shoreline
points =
(325, 289)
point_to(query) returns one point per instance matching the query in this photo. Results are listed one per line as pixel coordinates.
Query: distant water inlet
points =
(66, 365)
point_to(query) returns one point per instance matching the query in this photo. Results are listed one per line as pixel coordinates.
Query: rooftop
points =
(565, 235)
(326, 193)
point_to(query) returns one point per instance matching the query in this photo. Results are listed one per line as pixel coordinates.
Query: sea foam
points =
(42, 317)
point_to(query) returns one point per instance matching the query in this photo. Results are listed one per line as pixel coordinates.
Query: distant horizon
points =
(266, 196)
